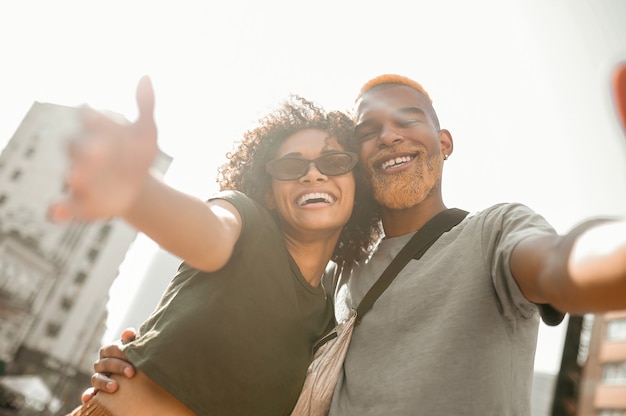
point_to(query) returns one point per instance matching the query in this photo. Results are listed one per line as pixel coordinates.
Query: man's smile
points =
(392, 163)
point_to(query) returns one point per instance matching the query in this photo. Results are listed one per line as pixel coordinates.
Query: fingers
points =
(87, 153)
(60, 212)
(145, 103)
(87, 395)
(619, 91)
(116, 366)
(112, 351)
(101, 382)
(83, 157)
(109, 162)
(113, 361)
(128, 335)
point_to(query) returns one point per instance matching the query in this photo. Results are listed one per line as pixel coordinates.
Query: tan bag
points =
(323, 372)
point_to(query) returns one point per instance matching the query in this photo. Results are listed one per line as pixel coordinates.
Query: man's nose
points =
(389, 136)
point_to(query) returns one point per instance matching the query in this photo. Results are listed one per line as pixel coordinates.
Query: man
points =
(456, 331)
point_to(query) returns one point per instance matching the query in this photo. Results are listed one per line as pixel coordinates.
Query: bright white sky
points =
(522, 85)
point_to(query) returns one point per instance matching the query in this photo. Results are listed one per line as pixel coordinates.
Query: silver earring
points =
(445, 157)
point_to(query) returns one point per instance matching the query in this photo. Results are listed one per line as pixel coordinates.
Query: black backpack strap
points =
(415, 248)
(444, 222)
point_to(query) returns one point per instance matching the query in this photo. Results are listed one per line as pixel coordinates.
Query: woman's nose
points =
(313, 174)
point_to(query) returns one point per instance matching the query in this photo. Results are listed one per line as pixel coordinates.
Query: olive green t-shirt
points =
(236, 341)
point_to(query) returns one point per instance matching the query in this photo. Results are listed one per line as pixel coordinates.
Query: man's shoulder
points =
(507, 217)
(502, 208)
(510, 218)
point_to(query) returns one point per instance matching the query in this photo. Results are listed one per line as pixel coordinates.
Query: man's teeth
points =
(396, 162)
(315, 197)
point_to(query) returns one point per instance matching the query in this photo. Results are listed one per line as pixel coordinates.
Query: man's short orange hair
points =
(392, 79)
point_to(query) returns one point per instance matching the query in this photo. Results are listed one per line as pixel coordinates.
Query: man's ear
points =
(447, 144)
(269, 200)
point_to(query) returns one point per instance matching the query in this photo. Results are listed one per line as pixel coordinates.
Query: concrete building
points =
(158, 274)
(603, 384)
(54, 279)
(542, 394)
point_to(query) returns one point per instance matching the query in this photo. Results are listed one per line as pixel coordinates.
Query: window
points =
(92, 255)
(80, 277)
(67, 303)
(104, 232)
(614, 373)
(616, 330)
(607, 412)
(52, 330)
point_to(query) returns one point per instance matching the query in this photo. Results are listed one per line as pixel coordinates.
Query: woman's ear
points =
(269, 200)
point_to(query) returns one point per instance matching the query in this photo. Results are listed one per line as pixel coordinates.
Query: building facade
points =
(603, 384)
(54, 279)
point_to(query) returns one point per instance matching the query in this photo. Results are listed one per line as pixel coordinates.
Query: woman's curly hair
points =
(245, 169)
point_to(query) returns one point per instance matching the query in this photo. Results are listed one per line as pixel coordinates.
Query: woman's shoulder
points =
(254, 215)
(243, 203)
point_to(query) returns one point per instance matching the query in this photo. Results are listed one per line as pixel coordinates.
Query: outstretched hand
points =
(109, 162)
(619, 92)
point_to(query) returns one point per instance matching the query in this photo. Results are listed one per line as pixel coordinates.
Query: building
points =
(154, 281)
(542, 393)
(54, 279)
(603, 384)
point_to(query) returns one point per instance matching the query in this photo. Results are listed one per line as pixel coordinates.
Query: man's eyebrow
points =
(396, 113)
(363, 123)
(409, 110)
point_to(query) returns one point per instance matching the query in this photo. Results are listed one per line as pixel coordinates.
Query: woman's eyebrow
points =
(324, 151)
(290, 154)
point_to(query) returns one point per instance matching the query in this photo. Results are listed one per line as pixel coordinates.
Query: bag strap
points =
(414, 248)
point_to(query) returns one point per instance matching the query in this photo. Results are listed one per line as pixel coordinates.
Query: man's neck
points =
(398, 222)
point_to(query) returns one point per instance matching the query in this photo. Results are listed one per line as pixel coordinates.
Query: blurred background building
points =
(54, 279)
(602, 390)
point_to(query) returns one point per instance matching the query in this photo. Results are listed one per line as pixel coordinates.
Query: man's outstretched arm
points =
(579, 272)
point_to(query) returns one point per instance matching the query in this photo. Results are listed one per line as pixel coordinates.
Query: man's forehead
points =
(389, 98)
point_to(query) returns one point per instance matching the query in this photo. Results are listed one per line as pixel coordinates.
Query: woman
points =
(240, 317)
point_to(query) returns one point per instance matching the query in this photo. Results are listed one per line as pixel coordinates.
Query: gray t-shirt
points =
(453, 334)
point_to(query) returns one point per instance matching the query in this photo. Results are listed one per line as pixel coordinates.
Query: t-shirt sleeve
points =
(503, 228)
(550, 315)
(248, 209)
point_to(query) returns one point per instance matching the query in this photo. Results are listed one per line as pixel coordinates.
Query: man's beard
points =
(409, 187)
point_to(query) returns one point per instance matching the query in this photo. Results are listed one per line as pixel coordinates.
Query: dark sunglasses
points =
(290, 168)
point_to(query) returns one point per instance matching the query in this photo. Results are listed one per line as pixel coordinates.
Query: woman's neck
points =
(312, 256)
